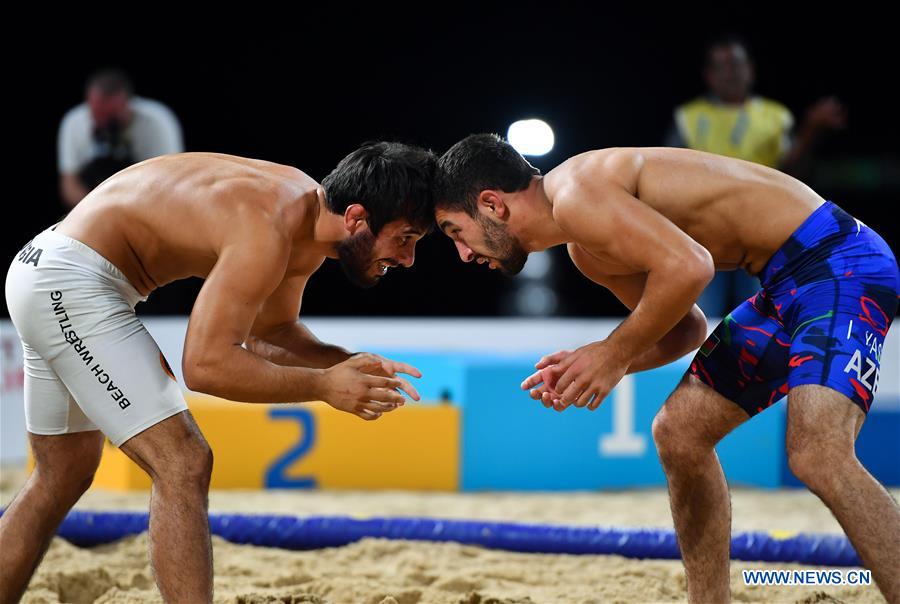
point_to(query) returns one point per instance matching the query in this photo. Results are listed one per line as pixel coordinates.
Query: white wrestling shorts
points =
(89, 362)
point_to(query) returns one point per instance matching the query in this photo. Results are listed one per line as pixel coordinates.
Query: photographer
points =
(110, 131)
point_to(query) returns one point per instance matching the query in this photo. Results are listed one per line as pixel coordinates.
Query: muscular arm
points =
(278, 336)
(602, 215)
(826, 114)
(250, 267)
(684, 337)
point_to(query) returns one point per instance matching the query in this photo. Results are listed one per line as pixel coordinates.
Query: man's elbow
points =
(695, 328)
(698, 269)
(687, 335)
(257, 345)
(199, 375)
(195, 378)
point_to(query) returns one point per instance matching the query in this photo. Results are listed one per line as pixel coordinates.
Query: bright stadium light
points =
(537, 266)
(530, 137)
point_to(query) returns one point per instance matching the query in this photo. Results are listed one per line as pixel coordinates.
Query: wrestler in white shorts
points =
(89, 362)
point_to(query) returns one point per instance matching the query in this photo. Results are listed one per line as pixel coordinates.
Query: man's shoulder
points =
(696, 104)
(772, 111)
(79, 114)
(151, 108)
(582, 179)
(589, 169)
(769, 104)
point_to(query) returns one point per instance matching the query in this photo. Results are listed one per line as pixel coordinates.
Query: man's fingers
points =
(392, 367)
(598, 400)
(553, 359)
(380, 407)
(539, 392)
(367, 363)
(571, 394)
(547, 399)
(566, 362)
(373, 363)
(583, 398)
(549, 359)
(366, 414)
(565, 381)
(390, 383)
(532, 380)
(408, 388)
(384, 395)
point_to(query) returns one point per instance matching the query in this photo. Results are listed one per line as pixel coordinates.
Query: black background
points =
(305, 88)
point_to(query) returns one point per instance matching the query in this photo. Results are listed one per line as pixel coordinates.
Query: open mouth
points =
(489, 261)
(383, 266)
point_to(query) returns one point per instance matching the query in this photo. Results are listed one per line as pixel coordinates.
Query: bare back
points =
(167, 218)
(739, 211)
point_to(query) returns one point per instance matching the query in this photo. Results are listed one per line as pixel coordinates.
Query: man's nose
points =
(407, 259)
(465, 254)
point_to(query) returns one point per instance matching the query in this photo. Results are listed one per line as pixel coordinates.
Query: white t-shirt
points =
(154, 130)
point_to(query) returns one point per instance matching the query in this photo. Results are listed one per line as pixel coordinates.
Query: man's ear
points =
(355, 216)
(491, 202)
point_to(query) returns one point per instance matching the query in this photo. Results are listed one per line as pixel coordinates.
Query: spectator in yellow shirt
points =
(730, 120)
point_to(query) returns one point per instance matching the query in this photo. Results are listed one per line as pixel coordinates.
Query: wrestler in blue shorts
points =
(828, 297)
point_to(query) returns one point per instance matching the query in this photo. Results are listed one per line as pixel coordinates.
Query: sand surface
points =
(375, 571)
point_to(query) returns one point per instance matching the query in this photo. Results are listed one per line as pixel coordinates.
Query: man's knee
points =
(821, 432)
(691, 422)
(200, 466)
(67, 461)
(675, 442)
(190, 466)
(173, 452)
(817, 462)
